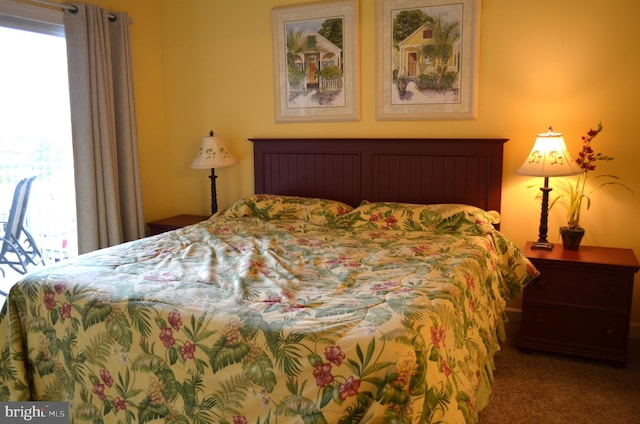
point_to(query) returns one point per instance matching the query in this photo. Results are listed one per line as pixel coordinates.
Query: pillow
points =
(269, 206)
(449, 217)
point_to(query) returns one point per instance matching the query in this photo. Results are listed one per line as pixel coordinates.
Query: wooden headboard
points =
(403, 170)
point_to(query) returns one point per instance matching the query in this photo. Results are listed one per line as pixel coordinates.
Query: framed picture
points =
(428, 59)
(316, 61)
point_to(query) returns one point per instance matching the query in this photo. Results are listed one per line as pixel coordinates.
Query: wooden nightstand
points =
(581, 303)
(173, 223)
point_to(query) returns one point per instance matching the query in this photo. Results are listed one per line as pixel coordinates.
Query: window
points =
(35, 129)
(311, 41)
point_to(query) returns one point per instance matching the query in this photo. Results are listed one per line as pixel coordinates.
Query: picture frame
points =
(428, 59)
(316, 61)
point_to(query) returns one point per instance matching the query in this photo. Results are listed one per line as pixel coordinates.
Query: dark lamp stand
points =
(542, 242)
(214, 201)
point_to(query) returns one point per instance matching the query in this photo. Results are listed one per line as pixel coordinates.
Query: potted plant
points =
(579, 191)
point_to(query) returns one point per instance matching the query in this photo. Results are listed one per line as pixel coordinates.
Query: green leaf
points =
(434, 355)
(140, 317)
(188, 392)
(260, 371)
(419, 379)
(168, 380)
(98, 348)
(94, 312)
(4, 393)
(252, 322)
(314, 418)
(148, 411)
(44, 366)
(86, 412)
(198, 330)
(177, 419)
(288, 354)
(54, 316)
(37, 325)
(314, 359)
(173, 355)
(359, 353)
(297, 405)
(327, 395)
(371, 348)
(292, 384)
(120, 330)
(221, 355)
(123, 386)
(148, 362)
(452, 222)
(377, 366)
(378, 316)
(393, 394)
(107, 406)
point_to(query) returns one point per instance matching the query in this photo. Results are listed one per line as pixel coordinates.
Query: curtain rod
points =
(71, 8)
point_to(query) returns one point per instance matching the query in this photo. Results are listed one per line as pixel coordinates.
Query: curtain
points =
(108, 199)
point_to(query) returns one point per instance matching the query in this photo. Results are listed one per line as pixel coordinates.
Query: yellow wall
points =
(207, 64)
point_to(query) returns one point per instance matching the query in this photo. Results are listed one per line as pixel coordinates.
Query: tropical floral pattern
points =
(258, 317)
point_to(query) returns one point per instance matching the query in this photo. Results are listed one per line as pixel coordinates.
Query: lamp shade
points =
(549, 158)
(213, 154)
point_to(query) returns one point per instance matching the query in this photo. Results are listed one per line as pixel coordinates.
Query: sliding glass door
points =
(35, 133)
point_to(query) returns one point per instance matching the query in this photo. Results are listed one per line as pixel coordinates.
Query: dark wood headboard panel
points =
(403, 170)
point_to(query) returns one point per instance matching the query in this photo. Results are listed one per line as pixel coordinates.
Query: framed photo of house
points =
(428, 54)
(316, 61)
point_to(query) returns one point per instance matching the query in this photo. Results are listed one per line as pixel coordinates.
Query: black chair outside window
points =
(19, 249)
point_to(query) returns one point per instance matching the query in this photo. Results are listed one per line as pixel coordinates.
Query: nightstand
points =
(581, 303)
(173, 223)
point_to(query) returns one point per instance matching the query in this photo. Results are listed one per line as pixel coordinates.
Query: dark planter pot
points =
(571, 237)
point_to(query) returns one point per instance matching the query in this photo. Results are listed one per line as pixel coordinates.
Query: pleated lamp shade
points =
(213, 154)
(549, 158)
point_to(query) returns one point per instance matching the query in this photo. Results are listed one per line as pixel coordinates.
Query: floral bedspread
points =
(328, 316)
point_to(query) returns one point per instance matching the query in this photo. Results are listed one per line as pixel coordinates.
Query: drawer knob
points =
(538, 320)
(609, 331)
(541, 282)
(612, 289)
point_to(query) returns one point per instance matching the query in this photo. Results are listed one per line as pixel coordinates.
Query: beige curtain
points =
(109, 204)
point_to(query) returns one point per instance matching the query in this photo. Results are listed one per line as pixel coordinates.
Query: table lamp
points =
(548, 158)
(213, 154)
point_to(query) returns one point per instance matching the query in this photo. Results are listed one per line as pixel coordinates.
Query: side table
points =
(173, 223)
(581, 303)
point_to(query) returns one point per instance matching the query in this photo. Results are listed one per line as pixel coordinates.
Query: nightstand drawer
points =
(568, 286)
(582, 330)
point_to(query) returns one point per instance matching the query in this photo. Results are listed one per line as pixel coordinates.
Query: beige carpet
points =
(545, 388)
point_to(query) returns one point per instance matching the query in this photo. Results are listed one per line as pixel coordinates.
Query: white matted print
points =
(428, 54)
(316, 61)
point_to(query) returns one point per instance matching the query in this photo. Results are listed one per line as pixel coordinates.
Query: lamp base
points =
(542, 245)
(214, 200)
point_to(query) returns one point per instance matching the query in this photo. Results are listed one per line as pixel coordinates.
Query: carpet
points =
(544, 388)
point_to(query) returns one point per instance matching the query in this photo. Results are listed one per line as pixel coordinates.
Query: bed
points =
(364, 282)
